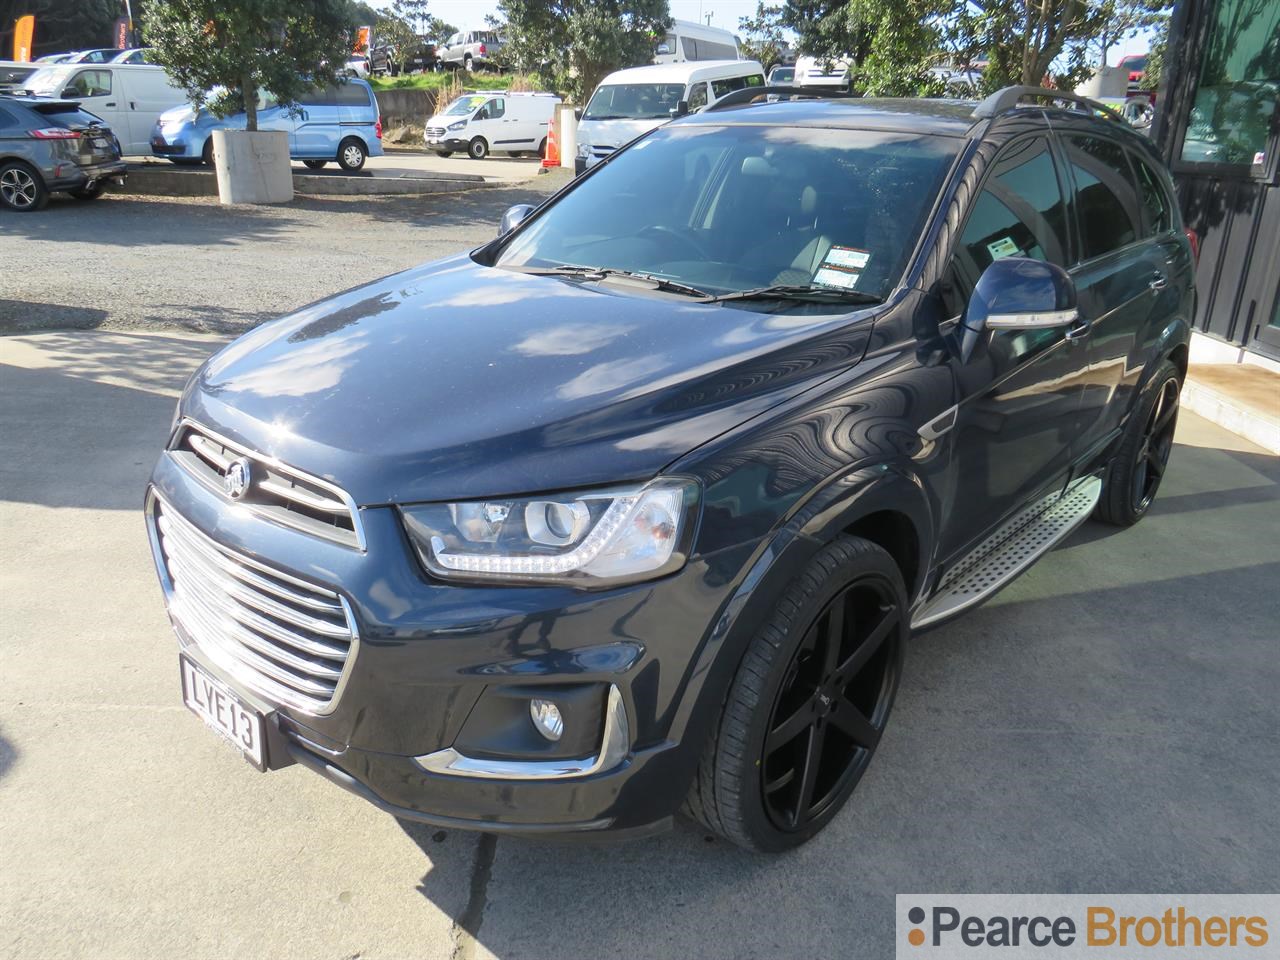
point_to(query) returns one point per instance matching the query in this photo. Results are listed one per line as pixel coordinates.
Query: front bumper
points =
(432, 658)
(453, 144)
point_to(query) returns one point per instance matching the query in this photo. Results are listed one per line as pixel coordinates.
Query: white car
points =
(631, 102)
(358, 67)
(819, 72)
(492, 121)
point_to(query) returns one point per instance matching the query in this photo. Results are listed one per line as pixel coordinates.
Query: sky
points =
(470, 14)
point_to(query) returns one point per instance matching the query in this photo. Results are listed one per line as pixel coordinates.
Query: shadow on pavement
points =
(19, 315)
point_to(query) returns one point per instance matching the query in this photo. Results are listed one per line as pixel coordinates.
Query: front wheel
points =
(478, 149)
(21, 188)
(351, 155)
(314, 164)
(1139, 464)
(443, 153)
(807, 707)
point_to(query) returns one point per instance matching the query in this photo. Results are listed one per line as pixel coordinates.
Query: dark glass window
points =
(6, 119)
(1020, 213)
(1155, 200)
(1107, 201)
(1239, 88)
(698, 96)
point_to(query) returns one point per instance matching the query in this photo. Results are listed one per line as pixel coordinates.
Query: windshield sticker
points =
(1004, 247)
(848, 257)
(836, 277)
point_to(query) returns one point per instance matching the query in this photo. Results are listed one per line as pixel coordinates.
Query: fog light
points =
(546, 718)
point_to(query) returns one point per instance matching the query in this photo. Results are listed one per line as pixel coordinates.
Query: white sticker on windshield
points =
(1004, 247)
(836, 277)
(850, 257)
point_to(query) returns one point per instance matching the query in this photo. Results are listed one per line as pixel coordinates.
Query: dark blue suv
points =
(633, 509)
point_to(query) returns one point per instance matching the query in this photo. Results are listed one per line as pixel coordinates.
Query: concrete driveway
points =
(1107, 724)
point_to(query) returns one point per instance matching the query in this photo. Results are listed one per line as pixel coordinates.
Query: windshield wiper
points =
(793, 291)
(600, 273)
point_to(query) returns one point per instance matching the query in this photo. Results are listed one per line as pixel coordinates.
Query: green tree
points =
(890, 46)
(576, 43)
(1022, 39)
(396, 33)
(62, 26)
(223, 51)
(761, 35)
(1124, 19)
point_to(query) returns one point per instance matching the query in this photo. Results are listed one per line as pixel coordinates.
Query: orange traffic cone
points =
(552, 159)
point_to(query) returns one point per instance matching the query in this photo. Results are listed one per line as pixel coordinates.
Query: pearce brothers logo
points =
(1108, 925)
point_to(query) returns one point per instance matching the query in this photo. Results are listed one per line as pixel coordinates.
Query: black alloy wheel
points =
(829, 714)
(1138, 465)
(1157, 443)
(805, 711)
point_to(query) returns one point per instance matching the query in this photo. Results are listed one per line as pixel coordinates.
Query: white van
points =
(129, 97)
(492, 120)
(688, 41)
(631, 102)
(818, 72)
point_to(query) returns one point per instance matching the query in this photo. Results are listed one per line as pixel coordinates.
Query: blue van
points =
(338, 122)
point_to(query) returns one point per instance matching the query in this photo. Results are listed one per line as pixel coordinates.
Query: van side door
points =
(146, 94)
(95, 88)
(318, 123)
(1019, 391)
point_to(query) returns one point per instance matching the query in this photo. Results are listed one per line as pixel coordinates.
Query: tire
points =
(467, 65)
(89, 193)
(478, 148)
(542, 149)
(759, 794)
(314, 164)
(352, 154)
(443, 153)
(1134, 476)
(206, 154)
(21, 188)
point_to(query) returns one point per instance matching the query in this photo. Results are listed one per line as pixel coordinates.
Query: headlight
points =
(587, 539)
(458, 126)
(584, 150)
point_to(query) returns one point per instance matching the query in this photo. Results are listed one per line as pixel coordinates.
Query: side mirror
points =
(577, 113)
(680, 109)
(1017, 293)
(514, 217)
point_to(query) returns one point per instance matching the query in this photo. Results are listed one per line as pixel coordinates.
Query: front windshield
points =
(45, 82)
(733, 208)
(634, 101)
(464, 106)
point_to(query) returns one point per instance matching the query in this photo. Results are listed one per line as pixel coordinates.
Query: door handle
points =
(1158, 281)
(1078, 330)
(133, 104)
(112, 104)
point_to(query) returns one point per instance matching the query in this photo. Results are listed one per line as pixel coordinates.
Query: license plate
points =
(433, 139)
(221, 710)
(102, 142)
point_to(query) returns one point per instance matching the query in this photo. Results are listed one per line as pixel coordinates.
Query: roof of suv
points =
(945, 117)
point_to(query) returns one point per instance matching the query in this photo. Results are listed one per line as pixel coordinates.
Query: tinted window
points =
(1107, 202)
(1155, 201)
(698, 96)
(1019, 213)
(89, 83)
(7, 119)
(353, 95)
(736, 207)
(634, 101)
(346, 94)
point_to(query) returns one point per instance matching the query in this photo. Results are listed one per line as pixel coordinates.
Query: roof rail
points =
(773, 94)
(1006, 99)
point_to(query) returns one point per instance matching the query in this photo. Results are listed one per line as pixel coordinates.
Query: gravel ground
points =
(127, 262)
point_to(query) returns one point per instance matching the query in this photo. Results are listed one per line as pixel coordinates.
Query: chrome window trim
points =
(274, 464)
(615, 744)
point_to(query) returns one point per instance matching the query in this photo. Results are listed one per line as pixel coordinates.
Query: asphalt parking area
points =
(1107, 724)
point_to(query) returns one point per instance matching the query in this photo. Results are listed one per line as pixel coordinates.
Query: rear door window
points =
(1156, 204)
(1108, 208)
(352, 95)
(6, 119)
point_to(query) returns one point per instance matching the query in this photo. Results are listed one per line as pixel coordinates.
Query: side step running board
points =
(1020, 542)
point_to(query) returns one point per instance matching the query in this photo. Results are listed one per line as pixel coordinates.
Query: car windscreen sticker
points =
(1004, 247)
(836, 277)
(851, 258)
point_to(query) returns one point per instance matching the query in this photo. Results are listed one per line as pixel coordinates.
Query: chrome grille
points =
(280, 636)
(435, 131)
(277, 492)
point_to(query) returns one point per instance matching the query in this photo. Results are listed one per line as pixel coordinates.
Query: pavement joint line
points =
(466, 929)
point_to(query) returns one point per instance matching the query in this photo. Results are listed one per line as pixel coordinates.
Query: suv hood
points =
(456, 380)
(614, 133)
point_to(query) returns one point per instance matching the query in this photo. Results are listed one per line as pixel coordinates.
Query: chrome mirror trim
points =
(614, 746)
(1032, 321)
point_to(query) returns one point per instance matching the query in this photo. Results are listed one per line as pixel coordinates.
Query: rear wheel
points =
(542, 148)
(351, 154)
(1139, 464)
(314, 164)
(443, 153)
(467, 65)
(206, 155)
(478, 148)
(810, 700)
(21, 188)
